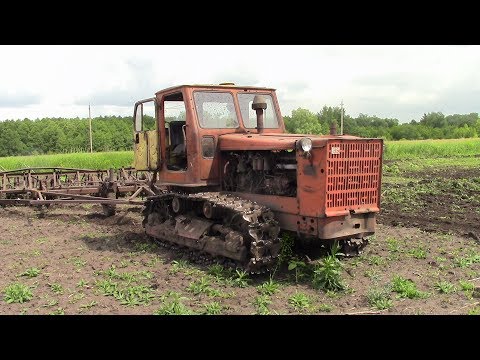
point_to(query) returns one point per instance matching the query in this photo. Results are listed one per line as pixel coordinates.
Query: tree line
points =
(57, 135)
(115, 133)
(433, 125)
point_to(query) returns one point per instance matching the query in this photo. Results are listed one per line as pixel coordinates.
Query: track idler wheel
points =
(178, 205)
(210, 211)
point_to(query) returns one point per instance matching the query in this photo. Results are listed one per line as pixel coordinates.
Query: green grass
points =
(394, 150)
(98, 160)
(423, 149)
(426, 152)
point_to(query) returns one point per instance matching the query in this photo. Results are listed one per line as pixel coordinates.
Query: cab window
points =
(249, 115)
(215, 110)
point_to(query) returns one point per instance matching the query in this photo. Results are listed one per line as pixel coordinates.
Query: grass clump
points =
(17, 293)
(406, 288)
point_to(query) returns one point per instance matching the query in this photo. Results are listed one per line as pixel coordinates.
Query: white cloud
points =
(388, 81)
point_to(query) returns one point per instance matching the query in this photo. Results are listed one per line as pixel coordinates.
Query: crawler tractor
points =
(228, 178)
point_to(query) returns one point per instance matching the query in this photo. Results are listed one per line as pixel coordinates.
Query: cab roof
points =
(216, 86)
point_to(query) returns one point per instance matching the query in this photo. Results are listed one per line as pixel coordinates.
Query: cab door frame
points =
(146, 142)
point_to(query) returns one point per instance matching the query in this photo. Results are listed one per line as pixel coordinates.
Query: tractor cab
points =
(177, 132)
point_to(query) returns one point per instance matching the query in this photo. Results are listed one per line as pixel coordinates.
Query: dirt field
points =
(424, 259)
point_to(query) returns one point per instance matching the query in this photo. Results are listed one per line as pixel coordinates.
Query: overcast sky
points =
(392, 81)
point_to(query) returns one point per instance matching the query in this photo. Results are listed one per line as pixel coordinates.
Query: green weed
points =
(379, 298)
(88, 305)
(51, 303)
(393, 245)
(215, 270)
(240, 279)
(82, 283)
(418, 253)
(444, 287)
(56, 288)
(201, 286)
(178, 265)
(261, 303)
(299, 267)
(59, 311)
(376, 260)
(467, 260)
(41, 240)
(268, 288)
(299, 301)
(467, 287)
(79, 263)
(406, 288)
(135, 295)
(474, 311)
(287, 242)
(76, 298)
(213, 308)
(372, 274)
(31, 272)
(17, 293)
(107, 287)
(327, 273)
(325, 308)
(173, 305)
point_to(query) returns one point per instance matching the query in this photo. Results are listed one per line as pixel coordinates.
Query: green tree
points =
(303, 121)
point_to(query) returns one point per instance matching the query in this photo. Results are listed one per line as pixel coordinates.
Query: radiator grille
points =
(353, 174)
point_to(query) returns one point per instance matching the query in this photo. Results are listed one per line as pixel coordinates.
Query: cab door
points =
(146, 148)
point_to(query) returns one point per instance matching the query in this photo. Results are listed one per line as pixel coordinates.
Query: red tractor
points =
(229, 178)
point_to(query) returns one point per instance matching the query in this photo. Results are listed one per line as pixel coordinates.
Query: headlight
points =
(305, 144)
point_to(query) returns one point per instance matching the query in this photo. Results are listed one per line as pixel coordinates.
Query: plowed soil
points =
(449, 202)
(84, 263)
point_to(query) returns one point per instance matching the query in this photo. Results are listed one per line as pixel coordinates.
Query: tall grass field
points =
(394, 150)
(428, 149)
(94, 161)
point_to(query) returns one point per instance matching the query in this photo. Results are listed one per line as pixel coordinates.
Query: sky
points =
(389, 81)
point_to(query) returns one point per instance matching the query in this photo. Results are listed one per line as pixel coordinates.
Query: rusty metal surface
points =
(54, 185)
(245, 232)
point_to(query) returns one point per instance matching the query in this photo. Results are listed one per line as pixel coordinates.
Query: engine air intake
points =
(353, 176)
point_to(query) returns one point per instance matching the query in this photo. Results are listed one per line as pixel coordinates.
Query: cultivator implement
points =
(43, 186)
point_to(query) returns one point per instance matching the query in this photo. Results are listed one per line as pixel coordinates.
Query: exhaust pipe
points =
(333, 128)
(259, 104)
